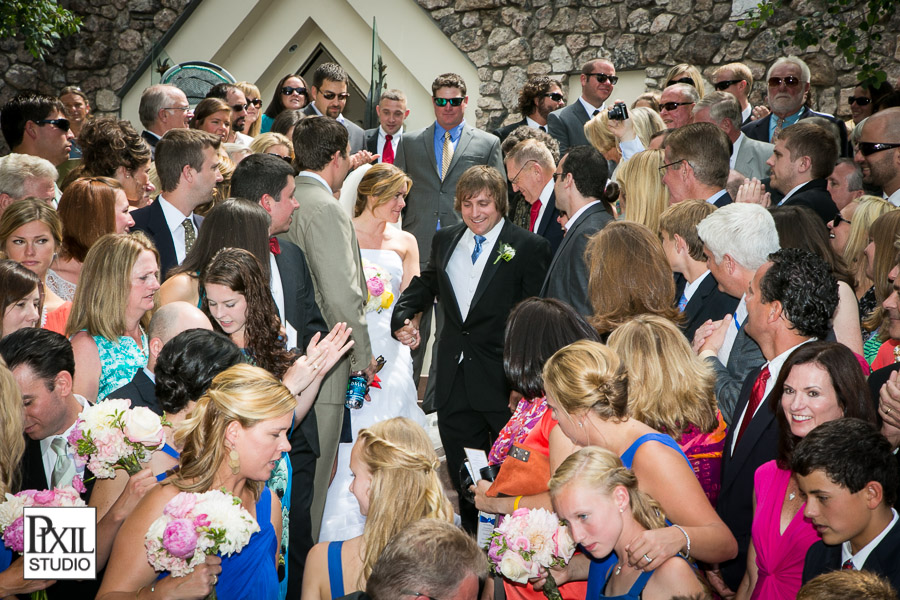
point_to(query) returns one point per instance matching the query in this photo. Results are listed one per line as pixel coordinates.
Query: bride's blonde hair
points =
(404, 483)
(381, 181)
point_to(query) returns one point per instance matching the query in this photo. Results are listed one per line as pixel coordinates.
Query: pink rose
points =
(202, 521)
(181, 505)
(376, 287)
(75, 435)
(78, 484)
(44, 497)
(180, 539)
(14, 535)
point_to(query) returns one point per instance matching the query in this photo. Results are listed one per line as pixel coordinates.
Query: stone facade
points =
(509, 40)
(115, 37)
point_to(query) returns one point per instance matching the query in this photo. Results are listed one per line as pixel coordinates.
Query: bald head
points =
(170, 320)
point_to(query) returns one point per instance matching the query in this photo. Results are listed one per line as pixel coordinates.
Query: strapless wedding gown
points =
(396, 398)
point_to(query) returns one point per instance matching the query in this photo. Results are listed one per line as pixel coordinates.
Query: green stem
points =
(550, 589)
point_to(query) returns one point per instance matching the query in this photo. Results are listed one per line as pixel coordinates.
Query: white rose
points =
(10, 510)
(513, 567)
(143, 426)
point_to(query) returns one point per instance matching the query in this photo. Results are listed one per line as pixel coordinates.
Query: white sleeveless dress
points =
(396, 398)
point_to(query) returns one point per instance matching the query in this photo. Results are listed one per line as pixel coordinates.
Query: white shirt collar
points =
(573, 218)
(735, 148)
(859, 559)
(396, 136)
(174, 217)
(45, 443)
(691, 287)
(534, 124)
(339, 118)
(712, 199)
(745, 114)
(490, 237)
(589, 107)
(894, 198)
(791, 193)
(318, 178)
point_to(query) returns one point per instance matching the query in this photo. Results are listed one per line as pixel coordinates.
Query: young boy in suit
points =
(848, 474)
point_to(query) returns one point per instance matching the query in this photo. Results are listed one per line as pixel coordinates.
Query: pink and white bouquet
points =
(378, 284)
(12, 511)
(194, 525)
(110, 435)
(527, 540)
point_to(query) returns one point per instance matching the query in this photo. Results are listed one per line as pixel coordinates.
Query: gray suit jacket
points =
(357, 135)
(751, 158)
(567, 278)
(745, 356)
(324, 232)
(566, 125)
(430, 200)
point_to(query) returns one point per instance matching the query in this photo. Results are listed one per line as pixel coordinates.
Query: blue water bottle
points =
(357, 388)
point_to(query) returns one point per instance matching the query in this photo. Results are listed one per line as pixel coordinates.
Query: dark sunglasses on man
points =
(453, 101)
(789, 81)
(331, 95)
(239, 107)
(61, 124)
(867, 148)
(724, 85)
(555, 96)
(859, 100)
(288, 90)
(670, 106)
(603, 78)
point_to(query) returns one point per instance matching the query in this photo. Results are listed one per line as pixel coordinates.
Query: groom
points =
(479, 269)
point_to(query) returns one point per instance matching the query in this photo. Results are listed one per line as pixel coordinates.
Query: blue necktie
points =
(479, 240)
(682, 302)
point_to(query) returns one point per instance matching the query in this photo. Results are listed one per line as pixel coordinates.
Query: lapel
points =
(445, 260)
(572, 233)
(548, 215)
(145, 387)
(883, 559)
(699, 298)
(428, 148)
(758, 424)
(493, 265)
(464, 138)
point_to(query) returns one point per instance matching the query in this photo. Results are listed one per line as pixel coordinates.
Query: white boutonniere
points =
(506, 252)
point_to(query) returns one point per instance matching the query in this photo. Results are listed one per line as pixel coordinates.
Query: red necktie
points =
(535, 211)
(756, 397)
(274, 246)
(387, 154)
(848, 565)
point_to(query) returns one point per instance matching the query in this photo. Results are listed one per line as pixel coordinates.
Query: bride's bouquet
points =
(527, 540)
(378, 284)
(110, 435)
(194, 525)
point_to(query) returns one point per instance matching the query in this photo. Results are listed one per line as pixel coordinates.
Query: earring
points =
(234, 461)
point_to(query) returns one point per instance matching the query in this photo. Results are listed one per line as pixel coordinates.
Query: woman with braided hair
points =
(396, 483)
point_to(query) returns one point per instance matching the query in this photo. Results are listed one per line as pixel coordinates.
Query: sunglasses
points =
(452, 101)
(331, 95)
(603, 78)
(670, 106)
(724, 85)
(867, 148)
(859, 100)
(288, 90)
(555, 96)
(286, 159)
(255, 102)
(790, 81)
(61, 124)
(238, 107)
(838, 219)
(686, 80)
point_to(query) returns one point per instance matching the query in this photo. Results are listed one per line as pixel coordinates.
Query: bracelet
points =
(685, 555)
(516, 503)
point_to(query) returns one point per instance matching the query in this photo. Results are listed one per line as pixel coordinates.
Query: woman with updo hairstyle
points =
(630, 276)
(642, 195)
(605, 509)
(90, 208)
(587, 389)
(672, 390)
(113, 148)
(273, 143)
(685, 73)
(395, 482)
(21, 297)
(291, 94)
(31, 234)
(231, 441)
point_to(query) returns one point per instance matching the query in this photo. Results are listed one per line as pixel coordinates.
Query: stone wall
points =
(510, 40)
(115, 37)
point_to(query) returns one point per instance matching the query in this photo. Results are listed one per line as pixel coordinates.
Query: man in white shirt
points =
(537, 99)
(696, 164)
(736, 79)
(529, 168)
(566, 125)
(188, 167)
(330, 95)
(384, 139)
(748, 156)
(878, 152)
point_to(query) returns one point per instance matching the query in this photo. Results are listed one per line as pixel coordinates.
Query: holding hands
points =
(711, 335)
(409, 335)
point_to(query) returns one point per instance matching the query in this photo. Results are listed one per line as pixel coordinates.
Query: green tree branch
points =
(40, 22)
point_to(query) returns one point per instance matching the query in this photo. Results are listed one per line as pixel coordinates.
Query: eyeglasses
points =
(859, 100)
(867, 148)
(331, 95)
(288, 90)
(666, 166)
(557, 175)
(255, 102)
(61, 124)
(724, 85)
(603, 78)
(286, 159)
(686, 80)
(838, 219)
(417, 594)
(555, 96)
(238, 107)
(452, 101)
(790, 81)
(522, 168)
(670, 106)
(181, 108)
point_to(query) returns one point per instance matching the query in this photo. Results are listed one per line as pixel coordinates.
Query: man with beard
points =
(878, 153)
(329, 94)
(540, 96)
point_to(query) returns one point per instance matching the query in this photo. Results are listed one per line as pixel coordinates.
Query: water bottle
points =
(356, 390)
(486, 521)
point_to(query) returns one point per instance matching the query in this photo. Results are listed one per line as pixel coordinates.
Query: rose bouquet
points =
(527, 540)
(196, 525)
(378, 284)
(110, 435)
(12, 515)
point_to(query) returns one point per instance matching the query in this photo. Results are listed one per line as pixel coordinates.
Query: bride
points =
(390, 260)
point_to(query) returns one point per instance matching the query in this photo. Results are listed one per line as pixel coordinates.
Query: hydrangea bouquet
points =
(194, 525)
(12, 516)
(110, 435)
(378, 283)
(527, 540)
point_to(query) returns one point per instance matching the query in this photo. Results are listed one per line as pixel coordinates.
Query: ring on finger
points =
(887, 410)
(648, 559)
(215, 579)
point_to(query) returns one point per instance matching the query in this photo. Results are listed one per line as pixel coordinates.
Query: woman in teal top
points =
(117, 289)
(291, 93)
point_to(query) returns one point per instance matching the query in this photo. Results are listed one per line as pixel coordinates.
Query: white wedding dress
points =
(396, 398)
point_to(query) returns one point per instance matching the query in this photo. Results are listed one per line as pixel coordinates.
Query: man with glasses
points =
(329, 94)
(736, 79)
(788, 86)
(676, 103)
(529, 167)
(696, 164)
(237, 100)
(35, 124)
(878, 153)
(385, 139)
(163, 107)
(566, 125)
(537, 99)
